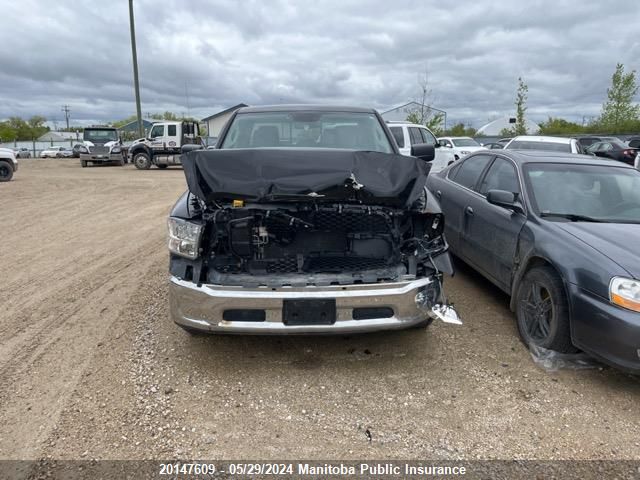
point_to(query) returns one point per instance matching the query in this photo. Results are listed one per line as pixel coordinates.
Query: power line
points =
(135, 69)
(67, 112)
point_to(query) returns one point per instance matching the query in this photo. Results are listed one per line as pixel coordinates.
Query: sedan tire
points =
(543, 311)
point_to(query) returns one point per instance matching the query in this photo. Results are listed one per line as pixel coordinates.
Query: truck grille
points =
(99, 150)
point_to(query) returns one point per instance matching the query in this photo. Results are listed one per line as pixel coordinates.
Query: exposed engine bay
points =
(327, 243)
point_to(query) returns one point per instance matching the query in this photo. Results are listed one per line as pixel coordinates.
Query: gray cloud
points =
(201, 56)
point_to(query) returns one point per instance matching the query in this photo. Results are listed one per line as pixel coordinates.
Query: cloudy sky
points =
(201, 56)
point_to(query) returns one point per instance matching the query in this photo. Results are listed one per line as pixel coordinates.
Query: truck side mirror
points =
(190, 147)
(423, 151)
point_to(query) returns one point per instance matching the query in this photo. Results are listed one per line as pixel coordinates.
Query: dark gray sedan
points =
(560, 234)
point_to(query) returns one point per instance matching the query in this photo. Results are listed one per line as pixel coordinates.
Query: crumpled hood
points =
(313, 174)
(617, 241)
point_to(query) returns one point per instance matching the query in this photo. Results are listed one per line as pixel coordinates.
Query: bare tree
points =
(421, 112)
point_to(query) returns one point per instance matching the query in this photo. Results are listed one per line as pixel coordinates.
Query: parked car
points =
(306, 219)
(53, 152)
(493, 145)
(614, 149)
(67, 152)
(408, 134)
(22, 152)
(559, 233)
(8, 164)
(460, 146)
(76, 150)
(590, 140)
(634, 142)
(542, 143)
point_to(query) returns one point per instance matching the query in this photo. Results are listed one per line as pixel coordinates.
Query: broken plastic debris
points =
(553, 361)
(446, 313)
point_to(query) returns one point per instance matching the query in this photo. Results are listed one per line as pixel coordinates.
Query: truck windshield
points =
(308, 129)
(100, 135)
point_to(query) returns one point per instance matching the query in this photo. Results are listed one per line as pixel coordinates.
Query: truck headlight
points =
(116, 150)
(184, 237)
(625, 292)
(83, 149)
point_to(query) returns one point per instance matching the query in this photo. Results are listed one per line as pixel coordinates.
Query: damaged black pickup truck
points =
(306, 219)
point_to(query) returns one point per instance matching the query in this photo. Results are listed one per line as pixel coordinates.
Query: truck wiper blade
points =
(573, 217)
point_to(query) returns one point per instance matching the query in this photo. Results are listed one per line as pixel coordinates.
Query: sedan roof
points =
(532, 156)
(303, 108)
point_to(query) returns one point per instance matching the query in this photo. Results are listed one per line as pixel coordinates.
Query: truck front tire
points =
(142, 161)
(6, 171)
(83, 163)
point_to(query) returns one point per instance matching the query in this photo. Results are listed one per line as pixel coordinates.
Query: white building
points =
(53, 136)
(216, 121)
(493, 128)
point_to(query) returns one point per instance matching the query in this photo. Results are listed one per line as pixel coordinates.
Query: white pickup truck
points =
(407, 134)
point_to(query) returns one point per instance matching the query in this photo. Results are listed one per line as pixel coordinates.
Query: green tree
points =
(520, 127)
(124, 121)
(560, 126)
(460, 130)
(433, 122)
(619, 113)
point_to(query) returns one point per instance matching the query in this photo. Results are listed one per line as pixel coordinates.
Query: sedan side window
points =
(501, 176)
(398, 134)
(415, 136)
(469, 172)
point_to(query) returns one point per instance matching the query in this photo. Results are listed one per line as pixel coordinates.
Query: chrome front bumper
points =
(202, 307)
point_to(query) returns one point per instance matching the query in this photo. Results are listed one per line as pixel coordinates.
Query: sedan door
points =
(490, 236)
(454, 191)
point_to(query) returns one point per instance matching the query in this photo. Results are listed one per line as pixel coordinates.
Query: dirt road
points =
(91, 366)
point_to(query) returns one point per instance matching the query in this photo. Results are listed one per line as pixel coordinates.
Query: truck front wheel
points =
(142, 161)
(6, 171)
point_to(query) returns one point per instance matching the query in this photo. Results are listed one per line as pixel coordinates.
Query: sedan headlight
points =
(625, 292)
(184, 237)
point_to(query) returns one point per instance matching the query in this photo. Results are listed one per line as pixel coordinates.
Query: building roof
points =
(58, 136)
(496, 126)
(134, 125)
(228, 110)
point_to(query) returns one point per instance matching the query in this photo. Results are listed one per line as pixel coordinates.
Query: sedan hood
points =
(617, 241)
(273, 175)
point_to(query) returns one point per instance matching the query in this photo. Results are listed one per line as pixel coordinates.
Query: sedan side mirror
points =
(423, 151)
(504, 199)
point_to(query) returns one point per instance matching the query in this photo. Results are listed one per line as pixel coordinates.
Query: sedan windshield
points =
(308, 129)
(578, 192)
(465, 142)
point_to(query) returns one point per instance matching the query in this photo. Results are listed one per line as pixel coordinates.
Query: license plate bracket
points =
(311, 311)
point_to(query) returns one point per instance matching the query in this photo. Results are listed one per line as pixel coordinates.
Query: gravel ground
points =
(92, 368)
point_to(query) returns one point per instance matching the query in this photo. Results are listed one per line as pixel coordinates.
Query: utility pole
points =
(67, 111)
(135, 69)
